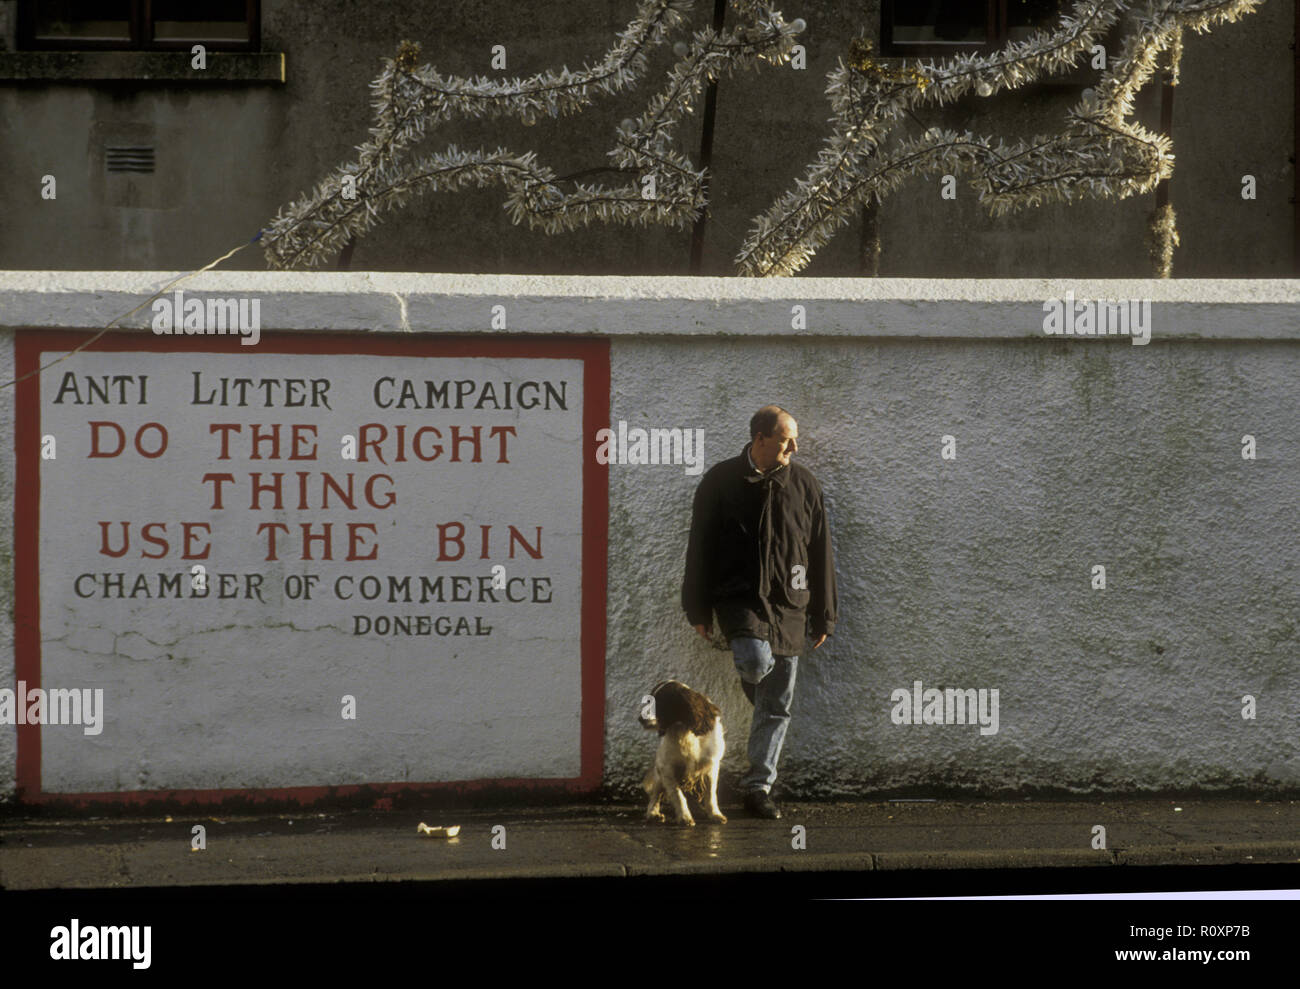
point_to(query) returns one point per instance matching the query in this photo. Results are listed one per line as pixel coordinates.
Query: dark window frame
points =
(141, 27)
(997, 28)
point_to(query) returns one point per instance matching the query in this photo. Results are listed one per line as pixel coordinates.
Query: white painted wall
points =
(967, 573)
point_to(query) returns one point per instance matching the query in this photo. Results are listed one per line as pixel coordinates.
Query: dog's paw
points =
(654, 815)
(718, 818)
(687, 822)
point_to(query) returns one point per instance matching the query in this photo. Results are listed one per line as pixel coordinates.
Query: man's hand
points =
(818, 643)
(704, 631)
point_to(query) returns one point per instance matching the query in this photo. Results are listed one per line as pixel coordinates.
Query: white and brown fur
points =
(690, 751)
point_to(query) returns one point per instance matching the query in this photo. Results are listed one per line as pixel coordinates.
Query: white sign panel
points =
(293, 570)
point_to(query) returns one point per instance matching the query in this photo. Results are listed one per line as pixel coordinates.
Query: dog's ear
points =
(672, 704)
(676, 703)
(704, 714)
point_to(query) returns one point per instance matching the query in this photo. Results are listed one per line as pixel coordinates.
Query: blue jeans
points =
(768, 682)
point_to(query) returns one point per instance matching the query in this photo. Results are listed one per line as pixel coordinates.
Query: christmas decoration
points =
(1100, 152)
(1161, 239)
(411, 100)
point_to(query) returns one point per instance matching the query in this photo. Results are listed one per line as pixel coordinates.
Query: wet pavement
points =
(614, 841)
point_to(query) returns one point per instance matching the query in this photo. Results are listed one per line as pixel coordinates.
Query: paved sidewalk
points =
(612, 840)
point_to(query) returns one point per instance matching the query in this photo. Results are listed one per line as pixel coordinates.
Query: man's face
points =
(777, 449)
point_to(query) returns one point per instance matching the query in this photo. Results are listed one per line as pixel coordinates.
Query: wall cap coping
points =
(1011, 308)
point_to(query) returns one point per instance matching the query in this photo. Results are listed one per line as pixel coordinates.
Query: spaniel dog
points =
(690, 750)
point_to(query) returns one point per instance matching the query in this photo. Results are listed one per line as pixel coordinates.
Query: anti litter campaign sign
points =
(283, 570)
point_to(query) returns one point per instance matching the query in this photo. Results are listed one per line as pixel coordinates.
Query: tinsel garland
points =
(411, 99)
(1100, 152)
(1161, 239)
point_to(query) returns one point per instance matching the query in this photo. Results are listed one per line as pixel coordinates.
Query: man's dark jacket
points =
(748, 533)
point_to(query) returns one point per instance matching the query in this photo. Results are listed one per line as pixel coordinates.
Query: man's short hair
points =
(764, 421)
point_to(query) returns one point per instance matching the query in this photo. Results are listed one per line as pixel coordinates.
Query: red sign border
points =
(594, 354)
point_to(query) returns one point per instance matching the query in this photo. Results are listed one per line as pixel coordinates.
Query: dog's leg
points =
(652, 812)
(678, 800)
(715, 812)
(683, 811)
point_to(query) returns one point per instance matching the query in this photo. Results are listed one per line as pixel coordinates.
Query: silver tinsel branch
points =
(1099, 153)
(411, 99)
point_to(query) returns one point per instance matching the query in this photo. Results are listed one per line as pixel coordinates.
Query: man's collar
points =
(777, 473)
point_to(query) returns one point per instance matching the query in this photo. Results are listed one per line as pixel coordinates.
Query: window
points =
(950, 27)
(148, 25)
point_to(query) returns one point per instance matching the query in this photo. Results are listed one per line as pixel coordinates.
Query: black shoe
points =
(760, 804)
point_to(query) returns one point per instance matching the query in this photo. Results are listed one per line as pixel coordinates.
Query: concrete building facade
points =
(249, 133)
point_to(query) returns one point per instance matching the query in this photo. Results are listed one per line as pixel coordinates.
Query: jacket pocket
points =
(795, 581)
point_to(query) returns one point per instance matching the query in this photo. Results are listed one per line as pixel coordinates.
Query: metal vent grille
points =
(128, 158)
